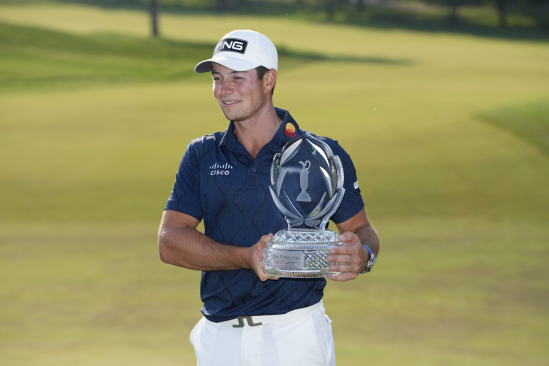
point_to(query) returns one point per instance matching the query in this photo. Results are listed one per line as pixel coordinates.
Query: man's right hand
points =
(256, 258)
(180, 244)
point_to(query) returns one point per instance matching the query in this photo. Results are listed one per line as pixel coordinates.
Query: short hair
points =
(261, 71)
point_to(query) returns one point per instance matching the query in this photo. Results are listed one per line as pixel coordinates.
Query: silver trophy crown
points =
(307, 182)
(307, 188)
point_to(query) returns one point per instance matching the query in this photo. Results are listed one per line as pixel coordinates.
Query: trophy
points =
(307, 188)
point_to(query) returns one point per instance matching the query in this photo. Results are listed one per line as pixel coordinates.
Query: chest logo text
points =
(220, 169)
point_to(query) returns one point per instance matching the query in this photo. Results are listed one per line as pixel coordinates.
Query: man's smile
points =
(232, 102)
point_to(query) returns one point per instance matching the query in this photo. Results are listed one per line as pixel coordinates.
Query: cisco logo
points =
(218, 169)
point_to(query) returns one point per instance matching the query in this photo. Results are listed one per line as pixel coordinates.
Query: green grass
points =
(529, 121)
(38, 58)
(92, 297)
(96, 294)
(95, 117)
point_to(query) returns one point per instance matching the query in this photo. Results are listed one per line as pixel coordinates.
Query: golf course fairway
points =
(448, 134)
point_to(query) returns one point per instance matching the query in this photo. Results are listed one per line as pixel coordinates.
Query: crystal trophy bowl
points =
(307, 188)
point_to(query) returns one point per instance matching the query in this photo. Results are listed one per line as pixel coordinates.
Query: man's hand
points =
(352, 256)
(256, 258)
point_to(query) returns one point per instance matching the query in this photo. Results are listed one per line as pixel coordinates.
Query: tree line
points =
(536, 9)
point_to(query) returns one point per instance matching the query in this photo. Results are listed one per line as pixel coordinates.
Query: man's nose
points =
(225, 88)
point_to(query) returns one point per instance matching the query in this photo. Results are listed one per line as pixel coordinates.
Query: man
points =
(251, 318)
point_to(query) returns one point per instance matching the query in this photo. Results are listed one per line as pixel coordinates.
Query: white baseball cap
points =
(242, 50)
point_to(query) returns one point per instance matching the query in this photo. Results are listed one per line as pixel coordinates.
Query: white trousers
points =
(302, 337)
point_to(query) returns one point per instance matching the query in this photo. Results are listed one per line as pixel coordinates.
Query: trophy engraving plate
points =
(307, 188)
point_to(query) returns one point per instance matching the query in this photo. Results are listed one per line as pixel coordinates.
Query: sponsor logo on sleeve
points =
(231, 45)
(356, 184)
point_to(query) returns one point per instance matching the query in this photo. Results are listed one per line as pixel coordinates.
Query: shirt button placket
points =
(255, 176)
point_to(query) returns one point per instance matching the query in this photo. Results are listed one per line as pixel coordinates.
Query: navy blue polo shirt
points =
(221, 183)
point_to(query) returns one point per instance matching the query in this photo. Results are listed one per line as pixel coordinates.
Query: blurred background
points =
(443, 105)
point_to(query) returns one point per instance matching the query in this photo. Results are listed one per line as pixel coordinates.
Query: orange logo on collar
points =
(290, 130)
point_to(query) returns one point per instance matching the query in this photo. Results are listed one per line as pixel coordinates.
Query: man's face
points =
(239, 93)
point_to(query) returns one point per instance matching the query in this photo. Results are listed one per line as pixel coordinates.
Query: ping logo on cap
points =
(231, 45)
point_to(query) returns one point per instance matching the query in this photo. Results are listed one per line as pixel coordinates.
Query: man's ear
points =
(269, 80)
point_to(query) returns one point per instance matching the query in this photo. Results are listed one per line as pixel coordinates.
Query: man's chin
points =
(233, 117)
(228, 116)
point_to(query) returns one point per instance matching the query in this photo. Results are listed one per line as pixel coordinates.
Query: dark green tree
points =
(225, 5)
(221, 4)
(329, 9)
(537, 9)
(153, 6)
(502, 6)
(359, 6)
(454, 5)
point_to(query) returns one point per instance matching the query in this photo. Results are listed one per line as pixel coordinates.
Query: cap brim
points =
(232, 63)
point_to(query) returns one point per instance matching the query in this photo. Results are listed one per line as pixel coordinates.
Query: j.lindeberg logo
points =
(231, 45)
(218, 169)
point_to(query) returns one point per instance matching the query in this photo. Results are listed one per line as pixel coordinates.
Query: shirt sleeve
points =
(185, 196)
(352, 199)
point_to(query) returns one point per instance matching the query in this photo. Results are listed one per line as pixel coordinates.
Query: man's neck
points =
(256, 132)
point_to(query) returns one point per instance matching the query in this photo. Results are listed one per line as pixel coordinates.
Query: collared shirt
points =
(221, 183)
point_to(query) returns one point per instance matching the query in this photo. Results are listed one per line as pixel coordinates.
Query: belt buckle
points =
(249, 320)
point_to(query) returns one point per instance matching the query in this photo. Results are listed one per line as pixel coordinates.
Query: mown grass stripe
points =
(529, 121)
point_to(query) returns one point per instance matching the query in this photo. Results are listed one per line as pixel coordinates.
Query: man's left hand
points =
(351, 256)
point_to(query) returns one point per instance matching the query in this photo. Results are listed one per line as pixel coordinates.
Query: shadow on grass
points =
(529, 121)
(35, 57)
(318, 57)
(372, 17)
(121, 45)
